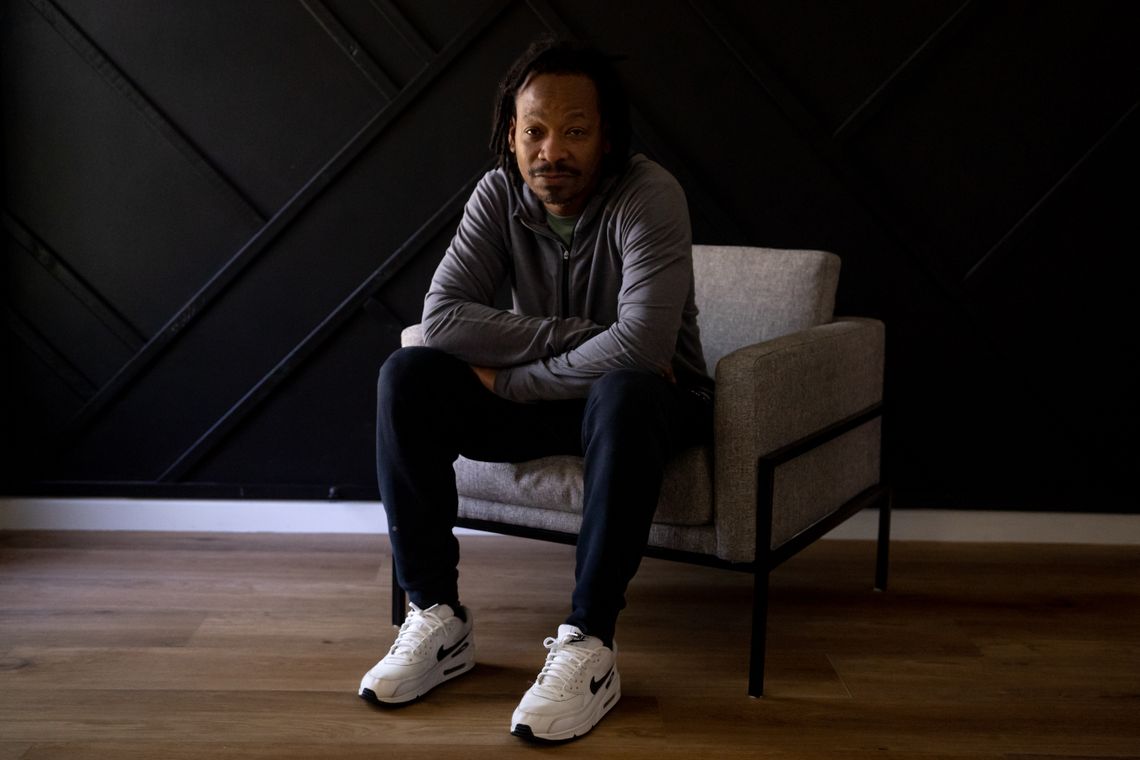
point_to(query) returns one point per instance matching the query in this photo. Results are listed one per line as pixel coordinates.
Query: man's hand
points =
(486, 376)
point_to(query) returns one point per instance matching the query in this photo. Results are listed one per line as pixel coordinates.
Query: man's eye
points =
(531, 131)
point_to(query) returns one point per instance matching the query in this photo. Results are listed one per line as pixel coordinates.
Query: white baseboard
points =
(368, 517)
(964, 525)
(205, 515)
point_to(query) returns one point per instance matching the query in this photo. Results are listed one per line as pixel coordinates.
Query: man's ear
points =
(511, 135)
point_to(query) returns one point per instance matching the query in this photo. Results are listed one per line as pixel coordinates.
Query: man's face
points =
(556, 136)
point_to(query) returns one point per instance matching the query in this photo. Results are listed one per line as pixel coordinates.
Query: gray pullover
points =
(620, 297)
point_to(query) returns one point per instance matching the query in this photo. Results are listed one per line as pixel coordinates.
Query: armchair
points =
(796, 448)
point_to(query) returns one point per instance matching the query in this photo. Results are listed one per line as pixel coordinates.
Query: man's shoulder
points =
(642, 172)
(497, 192)
(494, 184)
(641, 165)
(646, 181)
(493, 197)
(647, 203)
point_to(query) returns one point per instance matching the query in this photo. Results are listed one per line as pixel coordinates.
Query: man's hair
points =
(552, 56)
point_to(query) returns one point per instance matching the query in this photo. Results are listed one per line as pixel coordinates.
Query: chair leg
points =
(882, 554)
(759, 631)
(399, 600)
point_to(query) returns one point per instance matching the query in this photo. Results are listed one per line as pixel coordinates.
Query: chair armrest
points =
(774, 393)
(412, 335)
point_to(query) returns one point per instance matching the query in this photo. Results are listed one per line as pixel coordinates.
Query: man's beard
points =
(537, 170)
(556, 195)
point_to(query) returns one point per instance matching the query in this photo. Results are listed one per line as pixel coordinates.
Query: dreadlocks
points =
(550, 56)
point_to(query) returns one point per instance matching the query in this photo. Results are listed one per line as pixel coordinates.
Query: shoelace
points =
(419, 625)
(563, 667)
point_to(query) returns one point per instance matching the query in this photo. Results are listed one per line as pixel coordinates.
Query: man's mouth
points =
(555, 172)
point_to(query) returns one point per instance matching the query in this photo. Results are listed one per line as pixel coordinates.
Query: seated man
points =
(600, 357)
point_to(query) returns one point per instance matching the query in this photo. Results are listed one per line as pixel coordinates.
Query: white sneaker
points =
(433, 646)
(576, 687)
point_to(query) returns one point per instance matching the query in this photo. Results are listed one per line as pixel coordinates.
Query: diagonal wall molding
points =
(71, 376)
(408, 33)
(1027, 219)
(352, 50)
(94, 302)
(907, 71)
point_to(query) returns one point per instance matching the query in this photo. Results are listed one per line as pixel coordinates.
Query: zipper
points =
(565, 283)
(546, 233)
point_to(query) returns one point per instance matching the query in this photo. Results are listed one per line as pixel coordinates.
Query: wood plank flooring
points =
(172, 646)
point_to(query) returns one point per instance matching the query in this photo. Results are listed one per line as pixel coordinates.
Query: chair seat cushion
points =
(556, 483)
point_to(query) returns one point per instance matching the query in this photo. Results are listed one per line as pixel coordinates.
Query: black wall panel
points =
(218, 216)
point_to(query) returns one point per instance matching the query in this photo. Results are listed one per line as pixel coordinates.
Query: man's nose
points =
(554, 149)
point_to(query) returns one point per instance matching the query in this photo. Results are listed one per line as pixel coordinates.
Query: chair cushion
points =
(555, 483)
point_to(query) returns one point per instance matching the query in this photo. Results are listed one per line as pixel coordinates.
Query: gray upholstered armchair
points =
(797, 433)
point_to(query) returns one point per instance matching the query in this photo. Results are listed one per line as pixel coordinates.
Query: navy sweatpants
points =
(432, 408)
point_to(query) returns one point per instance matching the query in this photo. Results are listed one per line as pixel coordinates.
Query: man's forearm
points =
(570, 375)
(489, 337)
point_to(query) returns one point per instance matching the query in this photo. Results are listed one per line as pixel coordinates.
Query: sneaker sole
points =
(368, 695)
(523, 731)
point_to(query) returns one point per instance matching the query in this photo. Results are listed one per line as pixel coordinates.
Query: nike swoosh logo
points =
(445, 652)
(597, 684)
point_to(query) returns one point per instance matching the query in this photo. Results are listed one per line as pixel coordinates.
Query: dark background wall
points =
(218, 215)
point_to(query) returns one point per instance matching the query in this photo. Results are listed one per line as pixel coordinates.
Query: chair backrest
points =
(746, 295)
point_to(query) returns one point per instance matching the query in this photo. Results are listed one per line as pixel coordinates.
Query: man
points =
(600, 357)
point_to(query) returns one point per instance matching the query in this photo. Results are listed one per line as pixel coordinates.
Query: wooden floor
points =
(136, 645)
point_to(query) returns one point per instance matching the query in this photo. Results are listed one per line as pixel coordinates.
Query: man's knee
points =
(412, 370)
(627, 396)
(400, 363)
(627, 384)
